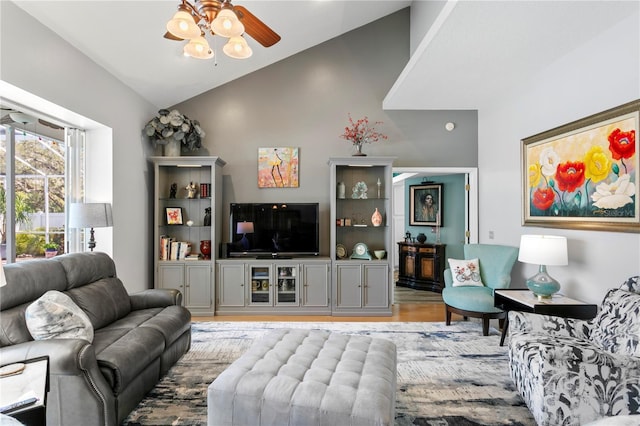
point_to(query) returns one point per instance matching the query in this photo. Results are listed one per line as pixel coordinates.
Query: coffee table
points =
(525, 301)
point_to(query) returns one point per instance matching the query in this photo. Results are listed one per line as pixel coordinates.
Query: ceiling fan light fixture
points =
(237, 48)
(198, 48)
(183, 25)
(227, 24)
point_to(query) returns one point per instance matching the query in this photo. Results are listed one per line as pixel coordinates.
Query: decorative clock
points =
(360, 251)
(341, 251)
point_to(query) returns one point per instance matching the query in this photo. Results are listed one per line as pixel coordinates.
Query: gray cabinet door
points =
(315, 287)
(199, 286)
(376, 288)
(171, 275)
(231, 284)
(349, 286)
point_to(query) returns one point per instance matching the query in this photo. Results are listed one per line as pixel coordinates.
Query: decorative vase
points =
(172, 148)
(205, 248)
(421, 238)
(50, 253)
(376, 218)
(359, 152)
(341, 190)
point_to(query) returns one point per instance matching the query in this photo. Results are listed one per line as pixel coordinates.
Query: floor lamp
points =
(90, 215)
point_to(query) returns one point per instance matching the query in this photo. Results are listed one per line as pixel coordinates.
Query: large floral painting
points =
(278, 167)
(584, 174)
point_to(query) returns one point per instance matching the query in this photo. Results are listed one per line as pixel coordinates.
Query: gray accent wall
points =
(304, 101)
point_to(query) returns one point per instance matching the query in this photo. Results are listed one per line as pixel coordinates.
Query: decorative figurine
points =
(174, 190)
(207, 216)
(191, 190)
(407, 237)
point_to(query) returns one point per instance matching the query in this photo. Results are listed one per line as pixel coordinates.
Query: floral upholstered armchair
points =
(571, 372)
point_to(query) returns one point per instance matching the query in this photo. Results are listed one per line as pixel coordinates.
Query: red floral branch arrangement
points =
(362, 131)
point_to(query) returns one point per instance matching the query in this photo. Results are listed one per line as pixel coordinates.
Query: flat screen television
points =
(279, 229)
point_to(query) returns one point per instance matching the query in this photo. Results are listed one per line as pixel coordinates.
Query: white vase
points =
(172, 148)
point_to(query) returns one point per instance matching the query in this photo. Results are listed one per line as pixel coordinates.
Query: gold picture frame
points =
(584, 174)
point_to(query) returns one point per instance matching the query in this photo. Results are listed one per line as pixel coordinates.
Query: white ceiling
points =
(474, 50)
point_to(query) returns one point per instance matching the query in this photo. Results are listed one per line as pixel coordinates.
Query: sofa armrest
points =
(155, 298)
(79, 393)
(525, 322)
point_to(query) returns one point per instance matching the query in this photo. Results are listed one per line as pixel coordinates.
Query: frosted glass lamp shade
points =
(182, 25)
(227, 24)
(237, 48)
(198, 48)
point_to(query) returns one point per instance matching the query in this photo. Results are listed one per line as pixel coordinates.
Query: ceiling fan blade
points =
(170, 36)
(256, 28)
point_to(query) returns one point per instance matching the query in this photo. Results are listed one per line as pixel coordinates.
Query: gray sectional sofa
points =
(137, 337)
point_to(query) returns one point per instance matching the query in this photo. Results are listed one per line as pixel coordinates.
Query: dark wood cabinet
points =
(421, 266)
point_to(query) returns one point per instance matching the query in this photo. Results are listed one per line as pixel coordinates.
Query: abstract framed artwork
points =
(278, 167)
(425, 203)
(584, 175)
(174, 215)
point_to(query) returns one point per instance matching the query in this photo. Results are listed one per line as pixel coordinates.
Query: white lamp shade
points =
(543, 250)
(244, 228)
(182, 25)
(227, 24)
(198, 48)
(90, 215)
(237, 48)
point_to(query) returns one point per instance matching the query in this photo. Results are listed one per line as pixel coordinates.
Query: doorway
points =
(466, 222)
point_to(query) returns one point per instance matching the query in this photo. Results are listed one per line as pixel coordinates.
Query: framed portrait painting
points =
(425, 204)
(174, 215)
(584, 175)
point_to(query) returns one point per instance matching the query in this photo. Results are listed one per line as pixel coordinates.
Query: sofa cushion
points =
(172, 322)
(104, 301)
(54, 315)
(617, 325)
(123, 354)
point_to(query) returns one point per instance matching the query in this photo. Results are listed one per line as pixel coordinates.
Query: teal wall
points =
(452, 231)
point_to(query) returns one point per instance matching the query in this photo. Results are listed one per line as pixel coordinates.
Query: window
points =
(36, 186)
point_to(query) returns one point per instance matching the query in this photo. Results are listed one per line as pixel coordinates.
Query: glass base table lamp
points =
(543, 250)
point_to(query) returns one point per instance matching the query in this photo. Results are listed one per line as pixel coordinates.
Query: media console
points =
(284, 286)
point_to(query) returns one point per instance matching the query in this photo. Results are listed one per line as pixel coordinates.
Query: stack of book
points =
(171, 249)
(205, 190)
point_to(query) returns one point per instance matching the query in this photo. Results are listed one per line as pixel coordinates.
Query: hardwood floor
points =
(405, 312)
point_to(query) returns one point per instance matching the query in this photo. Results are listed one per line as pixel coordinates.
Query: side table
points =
(526, 301)
(33, 381)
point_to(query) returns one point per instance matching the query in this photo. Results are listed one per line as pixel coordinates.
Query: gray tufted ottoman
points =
(307, 377)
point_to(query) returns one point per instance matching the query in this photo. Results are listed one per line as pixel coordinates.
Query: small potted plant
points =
(50, 249)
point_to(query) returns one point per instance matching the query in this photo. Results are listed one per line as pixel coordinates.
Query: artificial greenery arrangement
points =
(172, 124)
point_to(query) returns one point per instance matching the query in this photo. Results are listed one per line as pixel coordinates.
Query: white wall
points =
(37, 61)
(601, 74)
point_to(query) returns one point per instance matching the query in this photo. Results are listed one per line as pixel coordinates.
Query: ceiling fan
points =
(17, 117)
(218, 17)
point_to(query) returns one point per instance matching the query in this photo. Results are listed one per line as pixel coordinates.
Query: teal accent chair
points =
(496, 263)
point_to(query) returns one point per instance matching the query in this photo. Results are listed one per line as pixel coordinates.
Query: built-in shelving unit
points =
(361, 281)
(186, 225)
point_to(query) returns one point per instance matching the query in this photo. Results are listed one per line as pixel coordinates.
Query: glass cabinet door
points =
(260, 285)
(287, 279)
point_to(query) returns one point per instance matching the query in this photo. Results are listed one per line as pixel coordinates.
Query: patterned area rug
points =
(446, 375)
